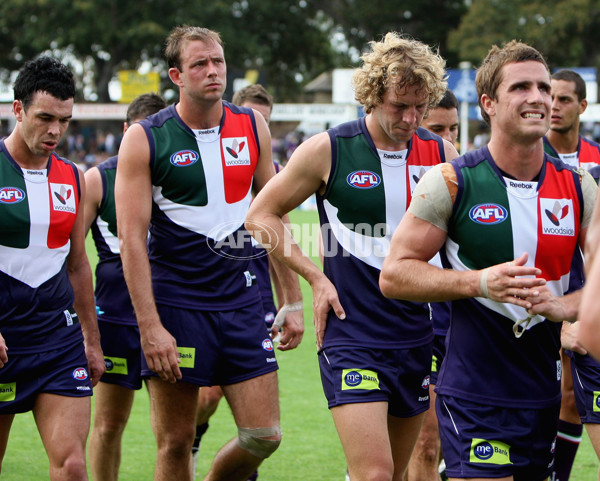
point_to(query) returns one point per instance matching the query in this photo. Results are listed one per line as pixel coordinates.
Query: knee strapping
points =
(256, 441)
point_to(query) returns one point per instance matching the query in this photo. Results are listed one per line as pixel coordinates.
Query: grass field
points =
(310, 450)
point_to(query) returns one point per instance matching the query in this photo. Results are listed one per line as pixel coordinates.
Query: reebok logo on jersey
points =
(63, 198)
(489, 452)
(363, 179)
(488, 214)
(11, 195)
(557, 217)
(359, 379)
(183, 158)
(235, 151)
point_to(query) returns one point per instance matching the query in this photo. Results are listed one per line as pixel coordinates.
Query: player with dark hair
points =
(50, 354)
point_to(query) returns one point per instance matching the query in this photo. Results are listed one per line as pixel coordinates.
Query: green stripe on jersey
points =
(15, 221)
(474, 222)
(107, 211)
(364, 207)
(169, 139)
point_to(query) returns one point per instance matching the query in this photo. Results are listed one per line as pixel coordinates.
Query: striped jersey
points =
(587, 155)
(366, 196)
(38, 209)
(494, 220)
(112, 297)
(202, 179)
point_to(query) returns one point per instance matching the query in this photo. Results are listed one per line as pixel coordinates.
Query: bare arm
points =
(305, 173)
(406, 273)
(80, 276)
(133, 198)
(288, 280)
(589, 309)
(93, 196)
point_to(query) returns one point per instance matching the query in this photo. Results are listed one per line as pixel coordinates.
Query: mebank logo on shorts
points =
(489, 452)
(359, 379)
(63, 198)
(596, 407)
(557, 217)
(8, 391)
(187, 356)
(235, 151)
(116, 365)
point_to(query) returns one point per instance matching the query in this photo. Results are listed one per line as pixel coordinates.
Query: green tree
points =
(565, 31)
(285, 39)
(428, 21)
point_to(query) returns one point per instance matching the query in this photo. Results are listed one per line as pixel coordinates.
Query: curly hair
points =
(489, 76)
(398, 61)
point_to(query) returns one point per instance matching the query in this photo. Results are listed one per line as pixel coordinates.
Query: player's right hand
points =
(325, 297)
(160, 350)
(3, 349)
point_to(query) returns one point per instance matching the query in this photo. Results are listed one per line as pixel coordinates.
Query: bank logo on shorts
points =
(557, 217)
(489, 452)
(359, 379)
(11, 195)
(63, 198)
(8, 391)
(596, 406)
(187, 356)
(235, 151)
(488, 214)
(80, 374)
(183, 158)
(116, 365)
(363, 179)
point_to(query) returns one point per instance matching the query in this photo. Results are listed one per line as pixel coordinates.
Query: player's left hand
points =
(569, 338)
(95, 359)
(291, 331)
(546, 304)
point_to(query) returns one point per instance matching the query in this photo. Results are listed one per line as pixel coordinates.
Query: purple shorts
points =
(483, 441)
(221, 347)
(122, 354)
(399, 377)
(63, 372)
(586, 384)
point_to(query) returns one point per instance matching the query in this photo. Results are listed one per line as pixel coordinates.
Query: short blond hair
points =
(398, 61)
(180, 36)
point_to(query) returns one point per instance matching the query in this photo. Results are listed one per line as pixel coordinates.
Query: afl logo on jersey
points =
(488, 214)
(11, 195)
(183, 158)
(80, 374)
(363, 179)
